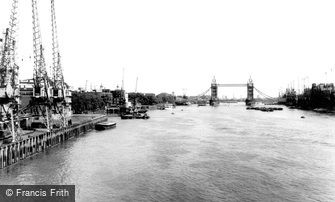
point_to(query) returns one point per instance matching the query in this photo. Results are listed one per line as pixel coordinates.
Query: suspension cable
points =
(264, 95)
(202, 94)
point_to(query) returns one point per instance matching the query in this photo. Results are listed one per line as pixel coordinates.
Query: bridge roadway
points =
(231, 85)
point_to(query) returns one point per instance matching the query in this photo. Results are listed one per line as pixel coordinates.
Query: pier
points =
(38, 141)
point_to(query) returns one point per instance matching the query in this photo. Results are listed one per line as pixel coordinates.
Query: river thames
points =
(224, 153)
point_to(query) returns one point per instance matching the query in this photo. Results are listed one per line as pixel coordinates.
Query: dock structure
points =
(41, 141)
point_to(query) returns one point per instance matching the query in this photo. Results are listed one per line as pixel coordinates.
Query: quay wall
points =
(16, 151)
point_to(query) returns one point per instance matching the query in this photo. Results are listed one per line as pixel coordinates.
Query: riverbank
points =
(34, 142)
(319, 110)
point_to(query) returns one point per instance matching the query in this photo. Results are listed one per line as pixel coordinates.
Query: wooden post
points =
(49, 138)
(14, 152)
(33, 144)
(26, 152)
(18, 151)
(5, 156)
(36, 145)
(10, 156)
(24, 149)
(1, 158)
(29, 147)
(39, 141)
(45, 141)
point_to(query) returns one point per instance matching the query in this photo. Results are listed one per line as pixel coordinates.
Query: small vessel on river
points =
(135, 115)
(265, 109)
(105, 125)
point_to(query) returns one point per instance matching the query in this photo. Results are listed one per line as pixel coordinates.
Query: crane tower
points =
(41, 91)
(60, 94)
(9, 93)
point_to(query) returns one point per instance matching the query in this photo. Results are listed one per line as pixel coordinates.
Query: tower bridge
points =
(214, 91)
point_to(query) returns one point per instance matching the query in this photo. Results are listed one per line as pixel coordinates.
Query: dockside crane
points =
(61, 96)
(41, 92)
(9, 92)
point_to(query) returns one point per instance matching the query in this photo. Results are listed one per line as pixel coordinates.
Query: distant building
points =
(328, 87)
(120, 98)
(80, 89)
(150, 94)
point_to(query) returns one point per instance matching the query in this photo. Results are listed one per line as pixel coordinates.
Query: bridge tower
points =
(250, 93)
(214, 93)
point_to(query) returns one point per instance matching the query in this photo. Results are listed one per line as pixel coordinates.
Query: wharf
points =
(37, 141)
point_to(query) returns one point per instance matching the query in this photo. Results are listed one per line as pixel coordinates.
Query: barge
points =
(135, 116)
(105, 125)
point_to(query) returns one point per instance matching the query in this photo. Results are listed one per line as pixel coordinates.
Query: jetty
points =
(39, 141)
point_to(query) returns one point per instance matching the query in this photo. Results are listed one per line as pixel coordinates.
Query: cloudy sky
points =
(179, 45)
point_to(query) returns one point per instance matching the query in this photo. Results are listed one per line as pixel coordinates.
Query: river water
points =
(224, 153)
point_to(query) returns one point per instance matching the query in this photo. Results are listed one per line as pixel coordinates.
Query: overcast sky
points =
(179, 45)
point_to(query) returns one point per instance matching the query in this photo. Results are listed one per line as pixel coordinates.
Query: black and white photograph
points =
(167, 100)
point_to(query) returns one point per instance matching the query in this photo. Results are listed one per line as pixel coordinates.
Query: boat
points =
(160, 107)
(201, 102)
(142, 110)
(265, 109)
(141, 116)
(105, 125)
(168, 106)
(127, 116)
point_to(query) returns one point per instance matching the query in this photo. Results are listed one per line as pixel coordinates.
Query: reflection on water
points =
(198, 154)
